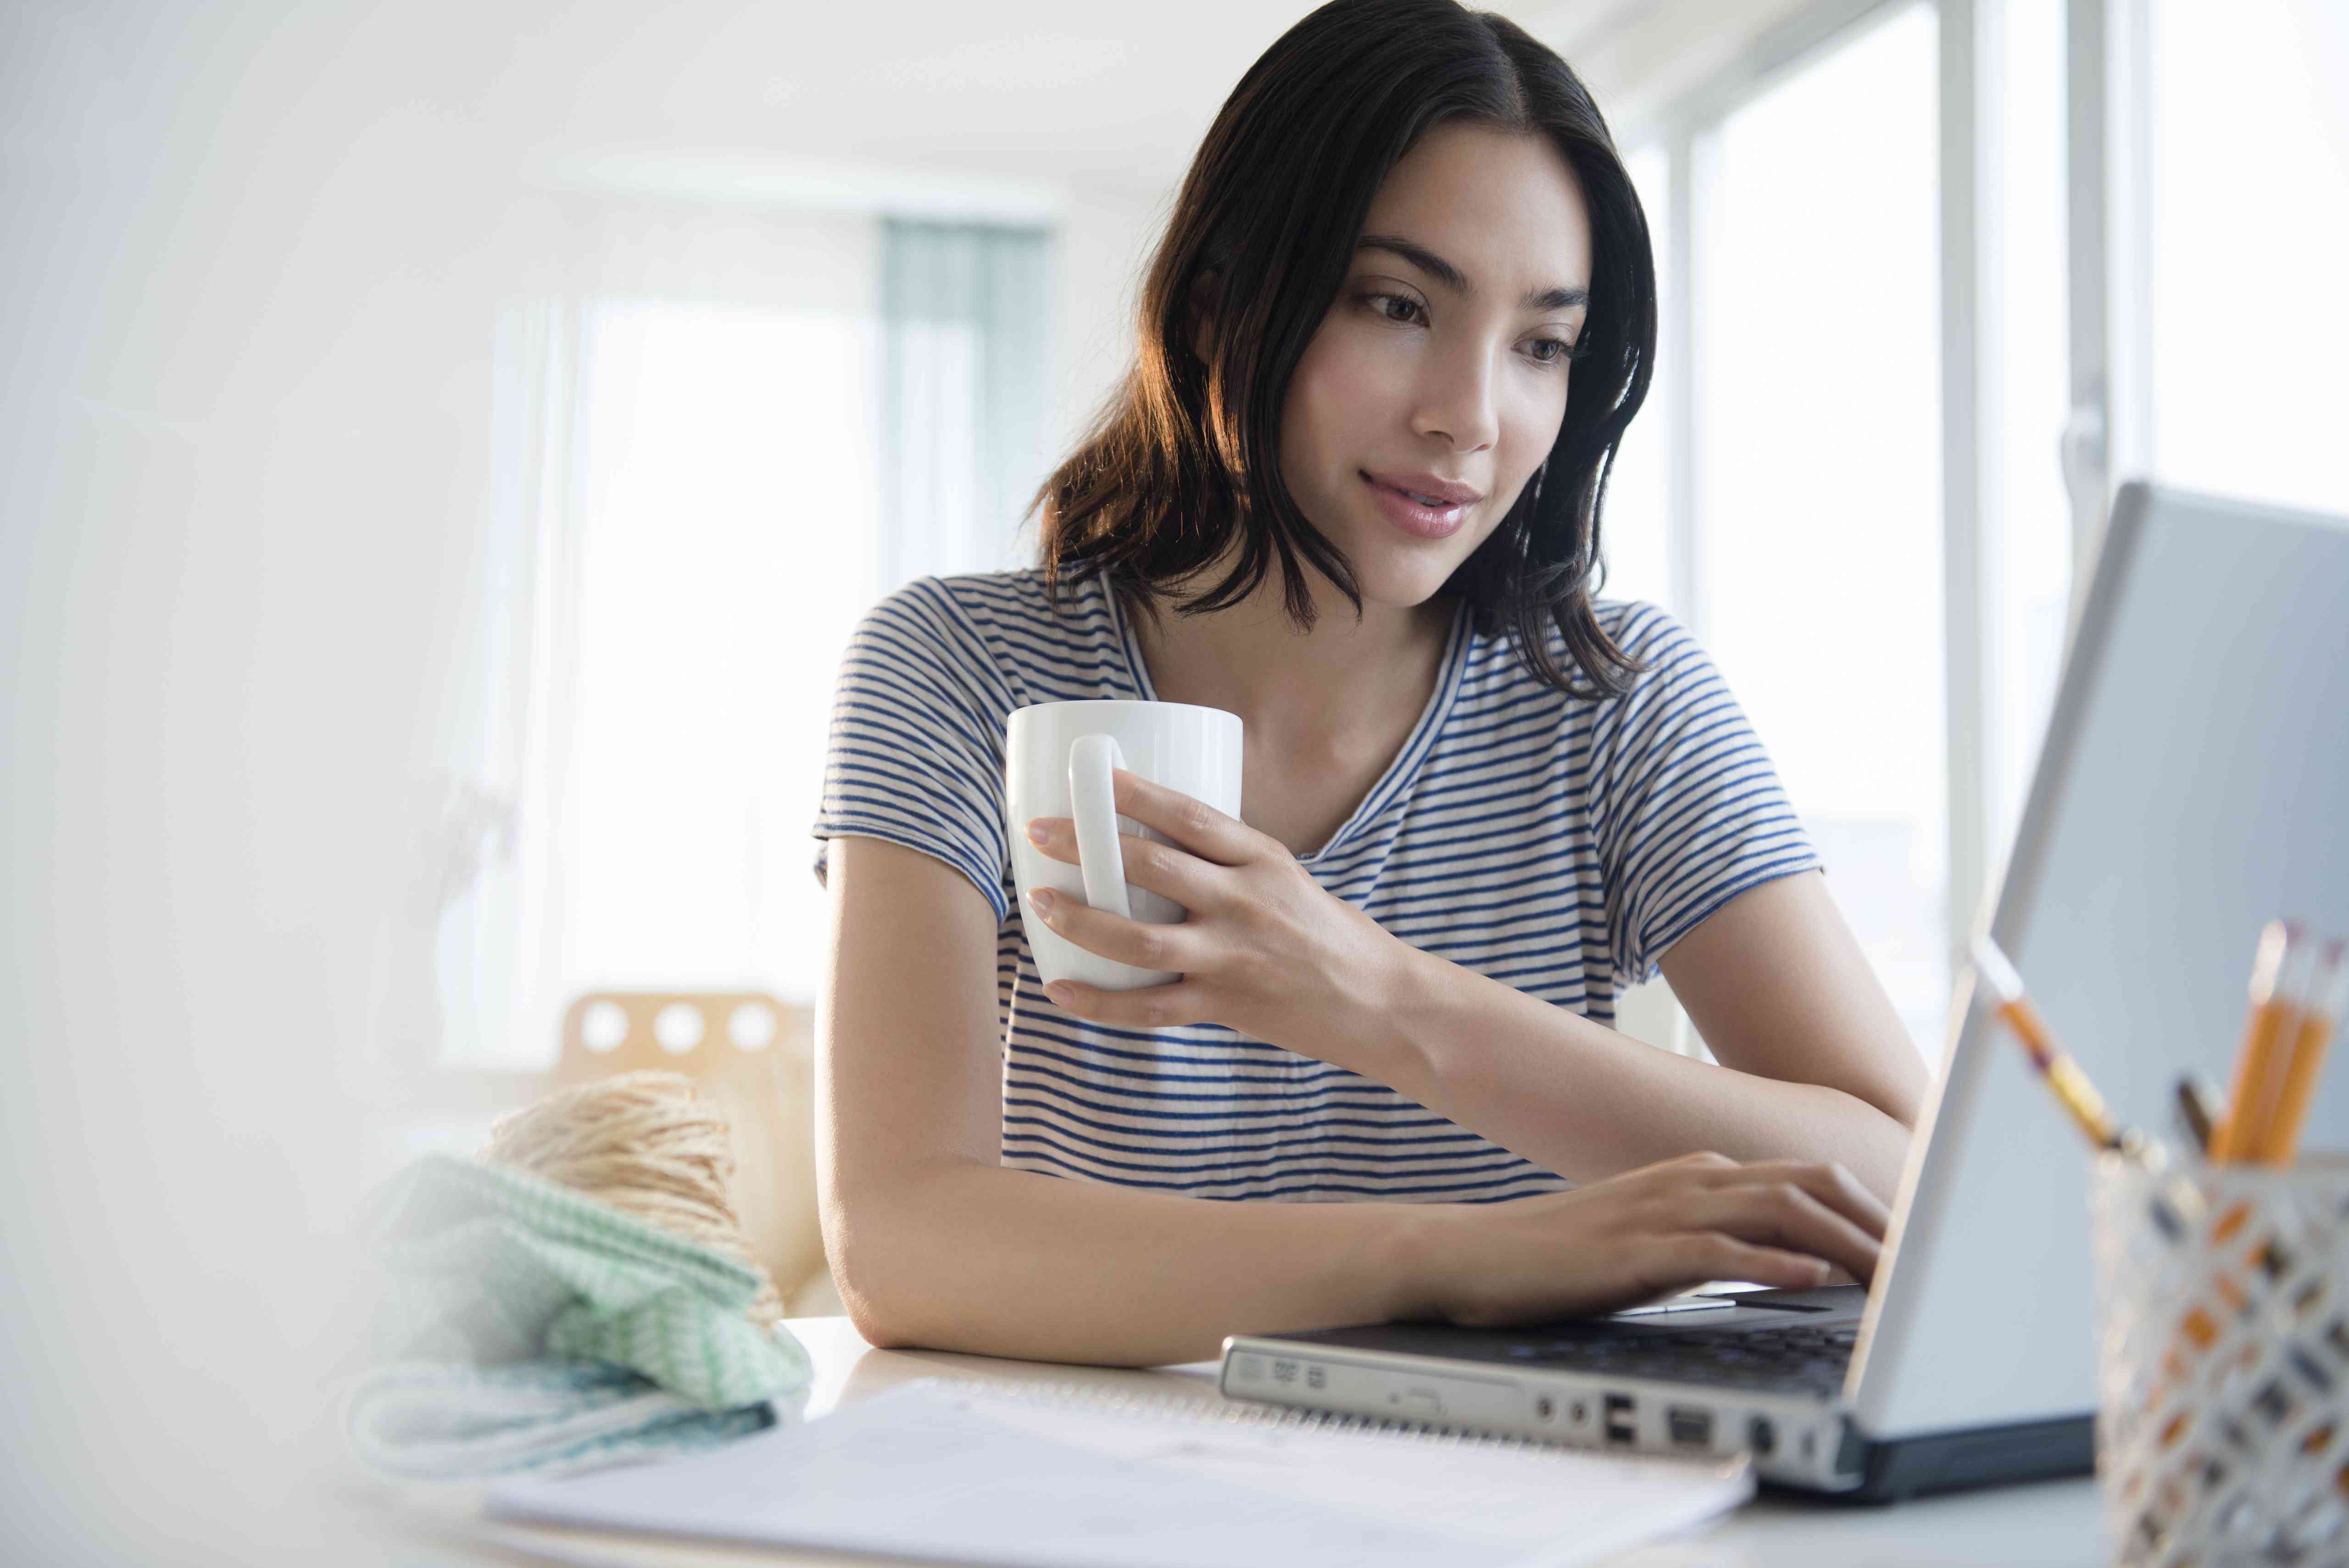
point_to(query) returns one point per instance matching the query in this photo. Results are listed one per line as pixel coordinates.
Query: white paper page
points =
(964, 1474)
(1498, 1496)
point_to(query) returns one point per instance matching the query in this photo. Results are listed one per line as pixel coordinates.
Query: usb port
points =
(1622, 1422)
(1689, 1428)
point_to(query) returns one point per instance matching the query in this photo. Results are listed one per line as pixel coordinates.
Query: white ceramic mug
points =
(1057, 757)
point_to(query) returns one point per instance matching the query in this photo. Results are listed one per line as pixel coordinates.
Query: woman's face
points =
(1441, 367)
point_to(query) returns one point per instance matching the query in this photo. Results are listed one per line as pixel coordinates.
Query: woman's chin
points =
(1401, 579)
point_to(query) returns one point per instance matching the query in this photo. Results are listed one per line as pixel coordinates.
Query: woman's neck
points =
(1344, 680)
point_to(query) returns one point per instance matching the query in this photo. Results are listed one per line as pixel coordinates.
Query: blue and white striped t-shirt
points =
(1558, 845)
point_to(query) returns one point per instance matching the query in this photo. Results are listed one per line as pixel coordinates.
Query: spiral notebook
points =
(1070, 1478)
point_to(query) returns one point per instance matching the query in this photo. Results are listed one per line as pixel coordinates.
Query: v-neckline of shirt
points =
(1407, 758)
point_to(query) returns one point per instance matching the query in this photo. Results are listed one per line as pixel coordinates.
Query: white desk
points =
(2051, 1524)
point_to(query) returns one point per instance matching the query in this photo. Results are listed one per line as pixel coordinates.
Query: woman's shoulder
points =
(1640, 628)
(1657, 644)
(1002, 636)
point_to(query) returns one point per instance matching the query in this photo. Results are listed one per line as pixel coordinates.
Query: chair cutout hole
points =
(679, 1027)
(603, 1027)
(753, 1027)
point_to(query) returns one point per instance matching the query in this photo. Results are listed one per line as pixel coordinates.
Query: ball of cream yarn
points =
(646, 1144)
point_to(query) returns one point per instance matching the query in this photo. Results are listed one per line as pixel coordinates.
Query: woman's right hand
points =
(1648, 1232)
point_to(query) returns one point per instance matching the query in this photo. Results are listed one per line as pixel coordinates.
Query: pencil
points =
(2072, 1087)
(2327, 998)
(2175, 1201)
(2259, 1060)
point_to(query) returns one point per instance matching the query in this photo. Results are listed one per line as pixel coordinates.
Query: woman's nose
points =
(1456, 402)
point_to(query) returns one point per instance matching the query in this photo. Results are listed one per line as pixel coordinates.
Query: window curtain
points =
(470, 939)
(714, 438)
(964, 312)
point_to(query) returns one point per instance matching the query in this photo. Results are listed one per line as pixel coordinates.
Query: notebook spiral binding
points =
(1236, 1413)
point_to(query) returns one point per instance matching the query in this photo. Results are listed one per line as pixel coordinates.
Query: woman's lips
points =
(1414, 516)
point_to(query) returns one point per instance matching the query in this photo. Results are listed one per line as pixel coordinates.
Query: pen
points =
(2198, 1112)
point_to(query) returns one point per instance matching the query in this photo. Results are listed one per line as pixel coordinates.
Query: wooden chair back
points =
(752, 1056)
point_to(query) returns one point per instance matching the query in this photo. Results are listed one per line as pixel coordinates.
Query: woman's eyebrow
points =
(1452, 278)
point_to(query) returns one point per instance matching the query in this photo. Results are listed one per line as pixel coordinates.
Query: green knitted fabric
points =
(490, 1265)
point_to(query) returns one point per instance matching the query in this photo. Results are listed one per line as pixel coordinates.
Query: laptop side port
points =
(1689, 1428)
(1622, 1421)
(1761, 1436)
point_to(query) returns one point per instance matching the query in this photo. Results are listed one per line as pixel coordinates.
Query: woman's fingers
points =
(1831, 1185)
(1160, 868)
(1781, 1215)
(1668, 1226)
(1697, 1256)
(1192, 823)
(1143, 944)
(1794, 1206)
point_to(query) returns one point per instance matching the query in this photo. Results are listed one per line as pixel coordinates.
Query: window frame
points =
(2106, 137)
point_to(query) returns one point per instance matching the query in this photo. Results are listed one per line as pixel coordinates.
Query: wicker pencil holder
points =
(2222, 1429)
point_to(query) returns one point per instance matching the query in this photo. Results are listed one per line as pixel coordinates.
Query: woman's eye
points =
(1405, 312)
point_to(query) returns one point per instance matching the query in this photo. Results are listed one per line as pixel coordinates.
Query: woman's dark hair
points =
(1188, 450)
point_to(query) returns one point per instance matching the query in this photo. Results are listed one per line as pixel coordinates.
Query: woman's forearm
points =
(960, 1255)
(963, 1257)
(1580, 1100)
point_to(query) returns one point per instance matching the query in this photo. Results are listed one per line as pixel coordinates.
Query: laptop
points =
(2191, 787)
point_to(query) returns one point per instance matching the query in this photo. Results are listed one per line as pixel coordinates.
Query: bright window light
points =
(1818, 474)
(727, 549)
(2250, 229)
(2027, 510)
(1637, 532)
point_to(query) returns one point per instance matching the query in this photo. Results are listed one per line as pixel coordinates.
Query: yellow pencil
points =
(2268, 1033)
(2073, 1090)
(2279, 1142)
(2176, 1203)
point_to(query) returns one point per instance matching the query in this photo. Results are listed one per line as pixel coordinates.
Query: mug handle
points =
(1093, 802)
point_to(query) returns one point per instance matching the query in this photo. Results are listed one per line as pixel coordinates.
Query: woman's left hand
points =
(1265, 951)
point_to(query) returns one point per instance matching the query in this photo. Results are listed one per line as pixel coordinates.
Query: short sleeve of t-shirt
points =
(1689, 811)
(917, 747)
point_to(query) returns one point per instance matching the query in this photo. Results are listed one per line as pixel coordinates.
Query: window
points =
(1813, 554)
(700, 426)
(725, 550)
(2143, 204)
(2246, 230)
(1638, 527)
(2022, 322)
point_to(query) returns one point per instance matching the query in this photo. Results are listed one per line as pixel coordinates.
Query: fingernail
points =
(1059, 992)
(1035, 833)
(1042, 899)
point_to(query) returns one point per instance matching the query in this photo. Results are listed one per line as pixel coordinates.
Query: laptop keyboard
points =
(1803, 1358)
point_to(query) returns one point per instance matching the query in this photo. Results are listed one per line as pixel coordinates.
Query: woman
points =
(1350, 491)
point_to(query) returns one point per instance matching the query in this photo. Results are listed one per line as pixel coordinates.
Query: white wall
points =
(251, 259)
(239, 446)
